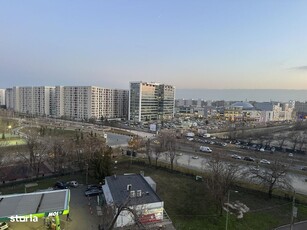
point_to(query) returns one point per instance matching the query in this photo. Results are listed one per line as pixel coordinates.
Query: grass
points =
(189, 205)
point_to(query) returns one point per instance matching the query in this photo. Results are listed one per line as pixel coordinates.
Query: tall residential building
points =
(71, 102)
(151, 101)
(9, 98)
(2, 97)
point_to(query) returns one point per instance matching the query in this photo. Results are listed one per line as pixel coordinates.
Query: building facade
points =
(151, 101)
(2, 97)
(71, 102)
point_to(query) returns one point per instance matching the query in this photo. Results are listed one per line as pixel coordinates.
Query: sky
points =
(192, 44)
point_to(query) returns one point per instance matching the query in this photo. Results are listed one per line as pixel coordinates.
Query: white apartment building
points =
(72, 102)
(2, 97)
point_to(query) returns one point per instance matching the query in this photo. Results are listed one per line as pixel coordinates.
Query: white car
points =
(264, 161)
(3, 226)
(290, 155)
(195, 157)
(261, 150)
(235, 156)
(73, 184)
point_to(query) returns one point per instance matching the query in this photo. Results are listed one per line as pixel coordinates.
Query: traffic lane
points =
(201, 164)
(297, 226)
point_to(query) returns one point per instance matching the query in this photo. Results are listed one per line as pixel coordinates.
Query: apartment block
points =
(2, 97)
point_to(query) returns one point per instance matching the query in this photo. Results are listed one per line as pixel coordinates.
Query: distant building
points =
(9, 98)
(2, 97)
(151, 101)
(136, 192)
(301, 109)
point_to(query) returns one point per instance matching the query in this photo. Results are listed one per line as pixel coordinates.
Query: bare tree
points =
(295, 137)
(281, 138)
(157, 152)
(148, 150)
(273, 176)
(167, 140)
(222, 176)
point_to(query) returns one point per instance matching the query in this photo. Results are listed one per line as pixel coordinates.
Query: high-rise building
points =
(9, 98)
(151, 101)
(72, 102)
(2, 97)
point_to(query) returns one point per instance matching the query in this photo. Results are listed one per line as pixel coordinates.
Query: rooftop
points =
(120, 194)
(32, 203)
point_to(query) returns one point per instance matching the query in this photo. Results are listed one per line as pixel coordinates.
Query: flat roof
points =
(32, 203)
(118, 189)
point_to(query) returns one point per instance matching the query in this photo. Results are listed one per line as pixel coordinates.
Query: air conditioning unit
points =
(139, 193)
(132, 193)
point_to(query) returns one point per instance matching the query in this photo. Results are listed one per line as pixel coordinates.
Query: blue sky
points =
(190, 44)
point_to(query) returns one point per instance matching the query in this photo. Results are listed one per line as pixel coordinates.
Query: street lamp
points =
(228, 198)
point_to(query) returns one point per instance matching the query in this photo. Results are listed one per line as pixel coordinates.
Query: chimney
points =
(129, 186)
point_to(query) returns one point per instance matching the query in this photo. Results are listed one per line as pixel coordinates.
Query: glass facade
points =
(150, 101)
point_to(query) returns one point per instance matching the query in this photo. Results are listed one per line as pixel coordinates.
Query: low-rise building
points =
(134, 198)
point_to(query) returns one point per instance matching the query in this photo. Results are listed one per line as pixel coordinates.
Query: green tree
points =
(3, 136)
(102, 163)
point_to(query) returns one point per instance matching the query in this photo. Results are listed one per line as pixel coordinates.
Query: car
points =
(304, 168)
(235, 156)
(92, 186)
(93, 192)
(249, 159)
(195, 157)
(273, 149)
(59, 185)
(261, 149)
(73, 183)
(224, 144)
(190, 139)
(264, 161)
(290, 155)
(3, 226)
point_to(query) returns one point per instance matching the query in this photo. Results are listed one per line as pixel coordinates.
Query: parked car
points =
(261, 149)
(92, 186)
(249, 159)
(93, 192)
(264, 161)
(290, 155)
(195, 157)
(73, 183)
(59, 185)
(3, 226)
(235, 156)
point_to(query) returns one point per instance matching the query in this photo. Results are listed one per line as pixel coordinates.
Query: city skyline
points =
(192, 45)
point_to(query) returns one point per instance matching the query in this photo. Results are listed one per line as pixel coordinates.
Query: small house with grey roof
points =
(134, 192)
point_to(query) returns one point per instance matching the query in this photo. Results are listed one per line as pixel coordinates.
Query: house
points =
(134, 196)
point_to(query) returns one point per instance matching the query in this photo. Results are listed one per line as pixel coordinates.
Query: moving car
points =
(235, 156)
(195, 157)
(249, 159)
(205, 149)
(264, 161)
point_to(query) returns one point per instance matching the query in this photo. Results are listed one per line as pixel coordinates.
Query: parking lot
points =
(83, 214)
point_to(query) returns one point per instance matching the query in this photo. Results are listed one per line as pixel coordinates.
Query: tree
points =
(221, 177)
(102, 163)
(37, 151)
(157, 152)
(148, 150)
(273, 176)
(167, 141)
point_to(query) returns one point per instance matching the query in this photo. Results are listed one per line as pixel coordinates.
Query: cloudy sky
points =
(191, 44)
